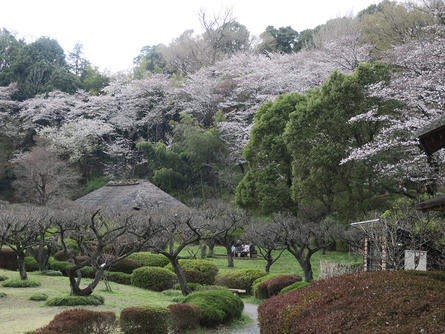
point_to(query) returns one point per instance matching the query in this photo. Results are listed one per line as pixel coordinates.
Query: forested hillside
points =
(185, 113)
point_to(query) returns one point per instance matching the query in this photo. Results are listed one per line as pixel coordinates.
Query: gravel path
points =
(253, 328)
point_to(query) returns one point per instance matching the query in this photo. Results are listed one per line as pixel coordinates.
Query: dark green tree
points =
(266, 185)
(283, 39)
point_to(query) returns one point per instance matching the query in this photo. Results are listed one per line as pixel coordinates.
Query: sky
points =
(114, 31)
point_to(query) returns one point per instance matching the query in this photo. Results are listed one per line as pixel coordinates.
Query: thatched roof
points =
(136, 195)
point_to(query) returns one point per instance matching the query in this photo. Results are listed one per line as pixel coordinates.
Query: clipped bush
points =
(368, 302)
(62, 256)
(3, 278)
(38, 296)
(88, 272)
(184, 316)
(147, 320)
(295, 286)
(75, 300)
(192, 286)
(274, 285)
(18, 283)
(217, 306)
(121, 278)
(125, 266)
(2, 294)
(149, 259)
(61, 266)
(258, 281)
(240, 279)
(153, 278)
(198, 271)
(80, 321)
(8, 259)
(31, 264)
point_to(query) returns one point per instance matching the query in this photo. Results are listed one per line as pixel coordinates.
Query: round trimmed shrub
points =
(121, 278)
(274, 285)
(153, 278)
(88, 272)
(38, 296)
(80, 321)
(147, 320)
(368, 302)
(62, 256)
(184, 316)
(8, 259)
(198, 271)
(217, 306)
(240, 279)
(125, 266)
(75, 300)
(149, 259)
(295, 286)
(18, 283)
(61, 266)
(3, 278)
(255, 285)
(192, 286)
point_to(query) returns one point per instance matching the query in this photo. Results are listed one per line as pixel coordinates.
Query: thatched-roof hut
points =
(134, 195)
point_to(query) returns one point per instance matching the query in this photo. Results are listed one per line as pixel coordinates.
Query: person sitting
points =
(253, 252)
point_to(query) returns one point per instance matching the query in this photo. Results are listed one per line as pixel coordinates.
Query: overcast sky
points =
(113, 32)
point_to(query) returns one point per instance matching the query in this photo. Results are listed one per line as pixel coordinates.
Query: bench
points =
(237, 292)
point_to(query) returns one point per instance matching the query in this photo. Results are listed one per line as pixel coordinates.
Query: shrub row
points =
(240, 279)
(149, 259)
(80, 321)
(153, 278)
(198, 271)
(375, 302)
(217, 306)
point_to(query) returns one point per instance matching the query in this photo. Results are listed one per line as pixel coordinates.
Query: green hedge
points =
(149, 259)
(240, 279)
(295, 286)
(18, 283)
(153, 278)
(75, 300)
(61, 266)
(217, 306)
(31, 264)
(198, 271)
(121, 278)
(3, 278)
(2, 294)
(147, 320)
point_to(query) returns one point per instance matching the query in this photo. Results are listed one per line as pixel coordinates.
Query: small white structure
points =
(415, 260)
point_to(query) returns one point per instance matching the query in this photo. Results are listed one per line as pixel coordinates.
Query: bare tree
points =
(305, 235)
(19, 229)
(267, 238)
(42, 176)
(226, 223)
(176, 229)
(103, 237)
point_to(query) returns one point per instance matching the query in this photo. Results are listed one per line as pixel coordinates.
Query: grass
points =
(286, 264)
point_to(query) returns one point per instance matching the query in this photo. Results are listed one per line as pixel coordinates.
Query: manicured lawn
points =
(286, 264)
(19, 314)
